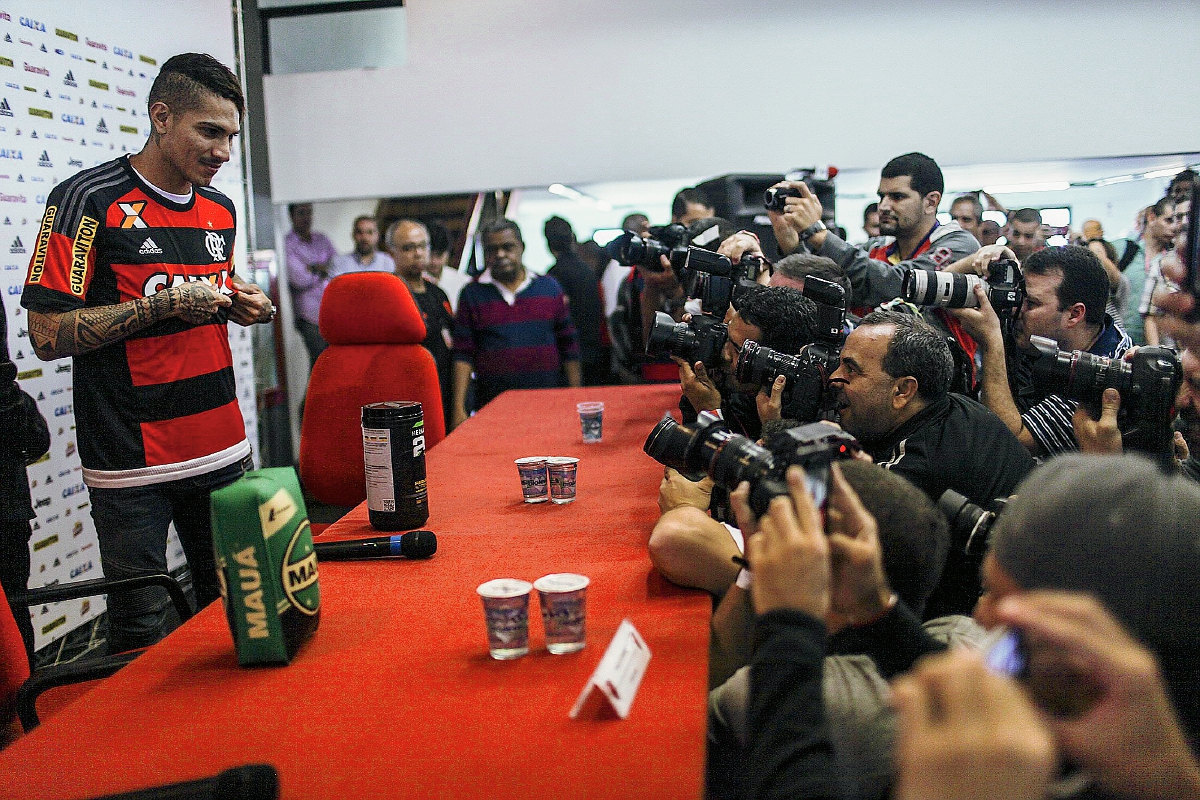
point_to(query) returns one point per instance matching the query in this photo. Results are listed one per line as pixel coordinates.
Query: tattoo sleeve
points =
(55, 335)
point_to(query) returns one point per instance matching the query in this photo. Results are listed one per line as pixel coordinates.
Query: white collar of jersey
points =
(510, 297)
(174, 198)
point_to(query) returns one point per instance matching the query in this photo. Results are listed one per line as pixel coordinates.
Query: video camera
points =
(1148, 385)
(708, 447)
(821, 187)
(808, 371)
(1005, 290)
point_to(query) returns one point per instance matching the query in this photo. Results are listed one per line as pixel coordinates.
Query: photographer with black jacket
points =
(24, 437)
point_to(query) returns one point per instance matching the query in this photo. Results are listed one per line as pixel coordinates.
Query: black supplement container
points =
(394, 458)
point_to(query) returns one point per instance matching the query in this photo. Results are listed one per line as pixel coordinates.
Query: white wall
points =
(500, 94)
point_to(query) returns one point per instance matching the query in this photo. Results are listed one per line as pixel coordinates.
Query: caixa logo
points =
(72, 490)
(79, 569)
(62, 411)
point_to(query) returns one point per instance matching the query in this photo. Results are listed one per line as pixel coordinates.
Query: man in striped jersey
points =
(1066, 290)
(133, 278)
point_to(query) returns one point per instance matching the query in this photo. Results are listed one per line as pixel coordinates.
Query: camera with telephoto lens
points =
(970, 524)
(807, 372)
(700, 339)
(1148, 385)
(1005, 290)
(665, 240)
(708, 447)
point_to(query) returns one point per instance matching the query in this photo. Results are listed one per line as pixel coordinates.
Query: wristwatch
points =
(812, 230)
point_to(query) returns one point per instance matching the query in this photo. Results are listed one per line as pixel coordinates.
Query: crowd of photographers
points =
(879, 441)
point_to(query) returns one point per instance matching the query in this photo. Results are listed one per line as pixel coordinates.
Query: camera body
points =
(716, 281)
(700, 339)
(1005, 290)
(821, 187)
(708, 447)
(664, 240)
(1148, 385)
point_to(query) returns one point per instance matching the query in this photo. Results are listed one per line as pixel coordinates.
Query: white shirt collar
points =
(510, 297)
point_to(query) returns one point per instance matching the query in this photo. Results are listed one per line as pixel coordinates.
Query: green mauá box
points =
(266, 565)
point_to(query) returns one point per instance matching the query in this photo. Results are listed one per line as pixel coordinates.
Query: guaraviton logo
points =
(80, 250)
(43, 244)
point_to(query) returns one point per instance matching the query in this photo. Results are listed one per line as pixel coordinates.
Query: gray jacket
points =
(875, 281)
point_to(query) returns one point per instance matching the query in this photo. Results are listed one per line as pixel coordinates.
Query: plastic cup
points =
(562, 472)
(591, 420)
(535, 487)
(506, 611)
(563, 598)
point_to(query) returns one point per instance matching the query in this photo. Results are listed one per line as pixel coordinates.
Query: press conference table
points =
(395, 695)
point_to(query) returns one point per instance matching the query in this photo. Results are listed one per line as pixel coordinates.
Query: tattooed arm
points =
(70, 333)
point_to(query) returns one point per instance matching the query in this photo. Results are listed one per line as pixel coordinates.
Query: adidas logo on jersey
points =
(149, 248)
(5, 108)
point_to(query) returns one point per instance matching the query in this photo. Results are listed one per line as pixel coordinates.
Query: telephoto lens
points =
(943, 289)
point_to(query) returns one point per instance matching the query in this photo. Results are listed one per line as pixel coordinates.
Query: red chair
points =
(374, 330)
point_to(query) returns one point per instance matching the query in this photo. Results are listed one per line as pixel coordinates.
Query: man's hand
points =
(1129, 740)
(770, 406)
(799, 213)
(698, 387)
(981, 323)
(738, 245)
(968, 734)
(1176, 306)
(196, 301)
(860, 591)
(321, 269)
(251, 305)
(676, 490)
(1100, 436)
(980, 262)
(789, 554)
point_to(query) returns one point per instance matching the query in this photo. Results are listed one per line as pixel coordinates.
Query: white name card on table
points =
(619, 672)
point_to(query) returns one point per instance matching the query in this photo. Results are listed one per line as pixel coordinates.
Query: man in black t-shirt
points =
(408, 243)
(894, 381)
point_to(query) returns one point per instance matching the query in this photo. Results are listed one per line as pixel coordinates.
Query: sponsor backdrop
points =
(73, 95)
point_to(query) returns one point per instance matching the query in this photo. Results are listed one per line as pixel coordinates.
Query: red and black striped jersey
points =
(160, 405)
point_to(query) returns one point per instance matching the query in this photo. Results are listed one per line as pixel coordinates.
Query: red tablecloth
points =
(396, 695)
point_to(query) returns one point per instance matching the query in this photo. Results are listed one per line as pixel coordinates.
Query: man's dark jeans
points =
(131, 524)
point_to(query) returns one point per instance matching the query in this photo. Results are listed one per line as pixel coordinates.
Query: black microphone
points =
(251, 782)
(414, 544)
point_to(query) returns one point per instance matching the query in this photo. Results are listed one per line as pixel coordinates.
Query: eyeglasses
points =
(413, 247)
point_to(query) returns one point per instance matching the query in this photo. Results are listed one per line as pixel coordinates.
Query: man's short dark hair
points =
(499, 225)
(439, 238)
(916, 349)
(873, 208)
(183, 80)
(684, 198)
(787, 318)
(1160, 208)
(293, 206)
(1083, 278)
(1187, 175)
(913, 534)
(362, 218)
(923, 172)
(799, 266)
(633, 222)
(975, 204)
(559, 234)
(1025, 215)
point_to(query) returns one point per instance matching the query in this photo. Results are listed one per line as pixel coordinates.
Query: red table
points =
(396, 696)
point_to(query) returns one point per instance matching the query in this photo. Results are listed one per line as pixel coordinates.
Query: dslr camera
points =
(1148, 385)
(700, 339)
(1005, 289)
(665, 240)
(708, 447)
(716, 281)
(808, 371)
